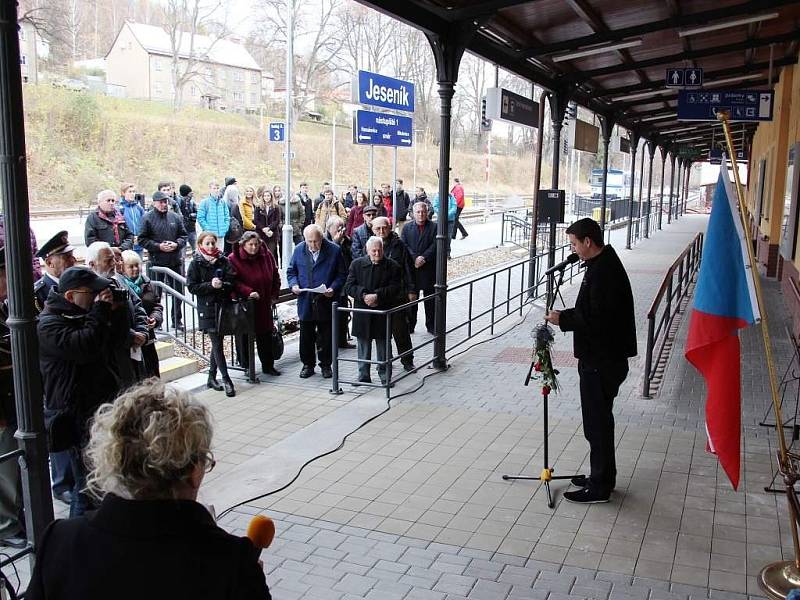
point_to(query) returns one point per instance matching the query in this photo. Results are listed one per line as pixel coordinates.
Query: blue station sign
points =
(382, 129)
(742, 105)
(715, 156)
(276, 132)
(385, 92)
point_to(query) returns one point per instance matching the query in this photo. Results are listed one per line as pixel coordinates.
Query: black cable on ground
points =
(380, 414)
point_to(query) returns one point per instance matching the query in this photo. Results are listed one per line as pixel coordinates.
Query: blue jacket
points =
(304, 272)
(213, 215)
(451, 206)
(133, 213)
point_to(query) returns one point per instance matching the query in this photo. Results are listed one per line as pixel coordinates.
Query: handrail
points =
(674, 290)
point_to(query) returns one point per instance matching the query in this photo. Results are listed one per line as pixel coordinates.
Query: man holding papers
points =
(316, 275)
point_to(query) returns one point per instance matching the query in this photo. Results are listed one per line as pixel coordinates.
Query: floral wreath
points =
(542, 360)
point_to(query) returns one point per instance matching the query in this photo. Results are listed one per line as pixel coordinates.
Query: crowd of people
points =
(97, 322)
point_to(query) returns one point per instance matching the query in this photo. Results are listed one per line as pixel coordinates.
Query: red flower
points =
(546, 390)
(537, 367)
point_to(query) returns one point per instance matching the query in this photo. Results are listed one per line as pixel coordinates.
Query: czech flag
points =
(724, 302)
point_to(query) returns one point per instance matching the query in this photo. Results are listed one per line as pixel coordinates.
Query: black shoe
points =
(327, 373)
(65, 497)
(306, 372)
(383, 382)
(408, 366)
(586, 496)
(364, 379)
(580, 481)
(431, 331)
(213, 384)
(229, 391)
(179, 328)
(463, 237)
(347, 346)
(271, 371)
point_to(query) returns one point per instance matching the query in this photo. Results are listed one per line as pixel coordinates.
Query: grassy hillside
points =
(80, 143)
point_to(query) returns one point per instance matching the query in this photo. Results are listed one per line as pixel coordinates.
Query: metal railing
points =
(509, 282)
(28, 549)
(189, 336)
(515, 228)
(667, 305)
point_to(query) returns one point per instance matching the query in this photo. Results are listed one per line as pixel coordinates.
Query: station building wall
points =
(772, 192)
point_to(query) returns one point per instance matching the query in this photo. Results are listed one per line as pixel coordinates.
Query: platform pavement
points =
(413, 505)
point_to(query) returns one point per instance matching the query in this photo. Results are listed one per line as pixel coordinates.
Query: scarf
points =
(135, 285)
(212, 256)
(115, 222)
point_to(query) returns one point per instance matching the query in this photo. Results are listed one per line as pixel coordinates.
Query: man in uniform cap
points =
(58, 256)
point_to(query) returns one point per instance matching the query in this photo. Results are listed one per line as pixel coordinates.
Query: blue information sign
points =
(742, 105)
(715, 156)
(674, 78)
(276, 131)
(382, 129)
(385, 92)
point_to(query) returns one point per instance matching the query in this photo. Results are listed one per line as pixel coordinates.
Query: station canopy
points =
(612, 56)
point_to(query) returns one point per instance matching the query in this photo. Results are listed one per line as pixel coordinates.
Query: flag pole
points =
(778, 578)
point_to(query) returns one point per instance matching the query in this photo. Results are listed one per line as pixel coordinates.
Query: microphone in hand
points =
(571, 259)
(261, 531)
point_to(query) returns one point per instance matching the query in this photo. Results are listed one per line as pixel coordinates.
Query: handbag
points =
(277, 335)
(235, 317)
(235, 229)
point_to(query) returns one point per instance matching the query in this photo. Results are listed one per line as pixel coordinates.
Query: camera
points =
(139, 198)
(119, 294)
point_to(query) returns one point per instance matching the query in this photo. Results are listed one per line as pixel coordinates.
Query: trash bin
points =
(596, 212)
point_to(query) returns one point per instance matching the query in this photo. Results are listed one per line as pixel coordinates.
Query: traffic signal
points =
(486, 124)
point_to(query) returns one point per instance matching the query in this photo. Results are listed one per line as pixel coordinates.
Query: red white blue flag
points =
(724, 302)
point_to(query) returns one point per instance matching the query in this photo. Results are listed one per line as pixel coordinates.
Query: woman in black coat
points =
(268, 220)
(148, 454)
(150, 295)
(210, 278)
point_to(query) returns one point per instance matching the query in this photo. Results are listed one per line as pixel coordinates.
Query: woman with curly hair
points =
(148, 453)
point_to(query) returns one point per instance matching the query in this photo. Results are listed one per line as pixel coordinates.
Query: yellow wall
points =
(771, 142)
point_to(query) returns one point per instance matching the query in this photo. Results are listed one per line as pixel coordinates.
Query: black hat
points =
(58, 244)
(78, 277)
(370, 209)
(160, 197)
(185, 190)
(230, 180)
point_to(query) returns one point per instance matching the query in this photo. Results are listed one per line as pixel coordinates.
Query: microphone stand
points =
(546, 476)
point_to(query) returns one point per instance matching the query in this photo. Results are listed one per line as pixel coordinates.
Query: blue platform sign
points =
(385, 92)
(382, 129)
(715, 156)
(674, 78)
(276, 132)
(742, 105)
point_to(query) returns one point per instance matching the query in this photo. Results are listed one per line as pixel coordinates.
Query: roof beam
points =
(481, 10)
(426, 19)
(700, 18)
(676, 58)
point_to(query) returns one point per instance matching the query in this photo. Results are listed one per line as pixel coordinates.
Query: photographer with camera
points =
(128, 317)
(132, 208)
(77, 377)
(163, 235)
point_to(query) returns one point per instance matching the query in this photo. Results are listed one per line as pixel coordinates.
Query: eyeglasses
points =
(208, 462)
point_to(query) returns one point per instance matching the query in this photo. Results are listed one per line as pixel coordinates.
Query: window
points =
(195, 91)
(23, 60)
(238, 96)
(238, 76)
(157, 64)
(255, 77)
(253, 98)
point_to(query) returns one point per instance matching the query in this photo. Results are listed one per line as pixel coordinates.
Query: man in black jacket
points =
(604, 338)
(164, 237)
(74, 335)
(419, 237)
(403, 205)
(188, 208)
(395, 249)
(106, 224)
(374, 281)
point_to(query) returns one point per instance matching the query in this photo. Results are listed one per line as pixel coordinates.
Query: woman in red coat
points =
(257, 278)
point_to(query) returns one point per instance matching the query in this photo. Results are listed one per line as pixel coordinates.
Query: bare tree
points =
(185, 22)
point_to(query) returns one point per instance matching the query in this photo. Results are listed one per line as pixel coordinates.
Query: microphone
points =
(261, 531)
(572, 258)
